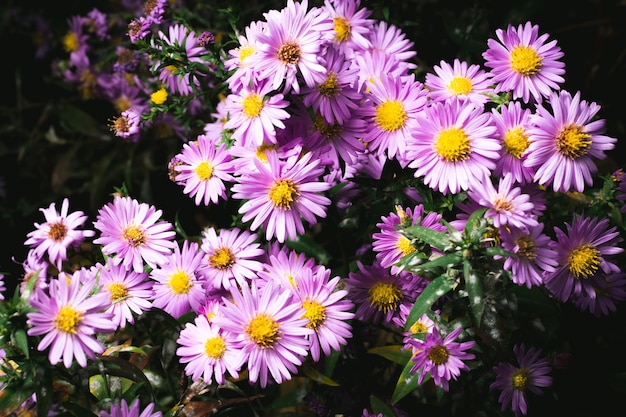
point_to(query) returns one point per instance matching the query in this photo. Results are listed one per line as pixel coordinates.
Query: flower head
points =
(134, 410)
(459, 80)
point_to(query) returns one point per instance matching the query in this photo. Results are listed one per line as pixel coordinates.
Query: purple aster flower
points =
(270, 329)
(154, 10)
(352, 25)
(285, 267)
(204, 166)
(230, 257)
(586, 248)
(460, 80)
(391, 41)
(96, 22)
(565, 142)
(608, 290)
(280, 195)
(513, 122)
(139, 28)
(127, 125)
(453, 146)
(69, 316)
(3, 287)
(75, 40)
(524, 62)
(132, 233)
(208, 352)
(34, 265)
(178, 288)
(531, 375)
(134, 410)
(59, 232)
(421, 327)
(442, 357)
(238, 58)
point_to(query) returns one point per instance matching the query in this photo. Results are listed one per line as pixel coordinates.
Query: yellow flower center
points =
(405, 246)
(460, 86)
(123, 103)
(520, 379)
(330, 87)
(502, 204)
(70, 42)
(438, 355)
(516, 141)
(204, 171)
(385, 296)
(289, 53)
(573, 142)
(246, 51)
(526, 247)
(215, 347)
(283, 193)
(57, 231)
(525, 60)
(315, 312)
(171, 69)
(159, 96)
(453, 145)
(342, 29)
(252, 105)
(67, 319)
(583, 261)
(330, 131)
(222, 259)
(260, 151)
(263, 330)
(134, 236)
(390, 115)
(118, 291)
(418, 328)
(180, 282)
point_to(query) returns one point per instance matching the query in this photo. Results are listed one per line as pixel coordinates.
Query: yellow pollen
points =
(260, 151)
(418, 328)
(252, 105)
(516, 141)
(70, 42)
(215, 347)
(263, 330)
(330, 87)
(526, 247)
(222, 259)
(204, 171)
(343, 30)
(123, 103)
(171, 69)
(583, 261)
(460, 86)
(120, 125)
(330, 131)
(502, 204)
(245, 52)
(67, 319)
(438, 355)
(453, 145)
(385, 296)
(405, 245)
(180, 282)
(57, 231)
(283, 193)
(390, 115)
(520, 379)
(289, 53)
(525, 60)
(118, 291)
(134, 236)
(159, 96)
(573, 142)
(315, 312)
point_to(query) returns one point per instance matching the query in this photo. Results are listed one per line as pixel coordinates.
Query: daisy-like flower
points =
(390, 244)
(529, 374)
(565, 142)
(513, 122)
(352, 25)
(286, 267)
(178, 288)
(208, 351)
(534, 255)
(69, 316)
(59, 232)
(230, 256)
(133, 410)
(420, 328)
(327, 310)
(127, 125)
(269, 328)
(608, 290)
(132, 233)
(460, 80)
(391, 41)
(523, 62)
(3, 287)
(205, 166)
(291, 45)
(506, 206)
(129, 292)
(453, 146)
(396, 103)
(280, 195)
(584, 249)
(442, 357)
(238, 57)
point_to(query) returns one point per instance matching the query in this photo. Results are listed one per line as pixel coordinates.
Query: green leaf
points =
(407, 383)
(12, 396)
(19, 339)
(379, 407)
(498, 251)
(474, 287)
(474, 220)
(445, 261)
(309, 247)
(44, 391)
(439, 240)
(317, 376)
(439, 287)
(395, 353)
(124, 369)
(330, 361)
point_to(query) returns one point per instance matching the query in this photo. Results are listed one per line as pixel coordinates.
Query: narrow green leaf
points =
(474, 287)
(439, 240)
(498, 251)
(395, 353)
(309, 247)
(433, 292)
(330, 362)
(116, 350)
(19, 339)
(12, 396)
(379, 407)
(474, 220)
(317, 376)
(121, 368)
(407, 383)
(445, 261)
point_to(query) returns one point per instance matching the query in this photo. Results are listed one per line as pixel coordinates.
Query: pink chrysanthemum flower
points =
(392, 42)
(205, 166)
(128, 292)
(282, 194)
(390, 244)
(215, 130)
(59, 233)
(179, 281)
(291, 46)
(524, 63)
(459, 80)
(238, 58)
(208, 352)
(284, 267)
(269, 328)
(453, 146)
(608, 290)
(69, 316)
(442, 357)
(565, 142)
(132, 233)
(352, 25)
(586, 248)
(75, 40)
(127, 125)
(132, 410)
(420, 328)
(533, 255)
(231, 257)
(373, 65)
(513, 122)
(514, 382)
